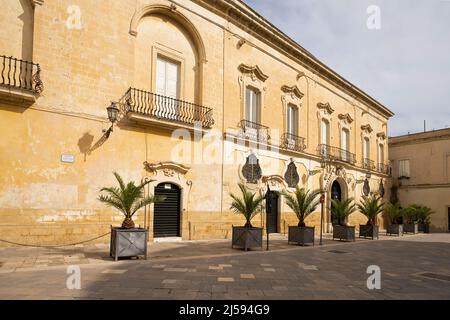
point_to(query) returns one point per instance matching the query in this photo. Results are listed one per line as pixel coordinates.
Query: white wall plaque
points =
(67, 158)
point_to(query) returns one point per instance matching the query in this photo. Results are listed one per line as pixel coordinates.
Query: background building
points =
(421, 173)
(286, 118)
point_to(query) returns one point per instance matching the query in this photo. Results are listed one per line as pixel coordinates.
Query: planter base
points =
(411, 228)
(344, 233)
(247, 238)
(128, 243)
(369, 231)
(301, 235)
(394, 229)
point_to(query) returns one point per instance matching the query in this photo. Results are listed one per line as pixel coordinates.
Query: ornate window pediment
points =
(346, 118)
(381, 135)
(325, 107)
(367, 128)
(168, 168)
(294, 91)
(253, 72)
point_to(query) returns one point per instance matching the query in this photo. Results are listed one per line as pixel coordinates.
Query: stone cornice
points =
(325, 106)
(381, 135)
(292, 90)
(345, 117)
(253, 71)
(250, 21)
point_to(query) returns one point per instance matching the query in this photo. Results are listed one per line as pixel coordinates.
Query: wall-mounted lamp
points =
(113, 113)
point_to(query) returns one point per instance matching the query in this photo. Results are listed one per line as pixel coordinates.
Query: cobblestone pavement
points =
(412, 267)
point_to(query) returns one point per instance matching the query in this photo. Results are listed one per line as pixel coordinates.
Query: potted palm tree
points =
(342, 209)
(394, 213)
(411, 216)
(371, 207)
(424, 219)
(127, 240)
(303, 202)
(246, 237)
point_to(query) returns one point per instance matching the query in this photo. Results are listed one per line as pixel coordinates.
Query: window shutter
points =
(160, 77)
(172, 71)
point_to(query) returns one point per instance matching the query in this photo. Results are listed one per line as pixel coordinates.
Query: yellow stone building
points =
(210, 94)
(421, 173)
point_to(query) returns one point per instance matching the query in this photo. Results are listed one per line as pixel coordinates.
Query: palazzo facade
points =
(210, 95)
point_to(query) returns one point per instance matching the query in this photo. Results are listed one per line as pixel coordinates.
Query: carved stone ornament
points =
(325, 106)
(168, 168)
(291, 176)
(252, 170)
(366, 188)
(367, 128)
(346, 117)
(381, 188)
(294, 90)
(253, 71)
(381, 135)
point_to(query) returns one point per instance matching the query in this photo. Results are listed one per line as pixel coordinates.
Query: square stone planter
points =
(128, 243)
(425, 228)
(396, 229)
(301, 235)
(411, 228)
(344, 233)
(369, 231)
(247, 238)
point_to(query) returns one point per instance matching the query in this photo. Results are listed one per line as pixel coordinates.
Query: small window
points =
(167, 78)
(325, 132)
(366, 148)
(252, 105)
(292, 119)
(403, 169)
(345, 139)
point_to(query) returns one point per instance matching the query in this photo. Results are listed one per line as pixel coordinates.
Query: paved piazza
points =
(412, 267)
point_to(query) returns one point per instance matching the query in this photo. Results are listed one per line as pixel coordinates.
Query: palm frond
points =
(303, 202)
(247, 205)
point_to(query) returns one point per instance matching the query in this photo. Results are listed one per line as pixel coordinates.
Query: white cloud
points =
(405, 65)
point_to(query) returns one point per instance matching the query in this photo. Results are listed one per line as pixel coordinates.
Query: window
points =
(381, 154)
(345, 144)
(324, 137)
(366, 152)
(325, 132)
(167, 78)
(292, 119)
(403, 169)
(252, 105)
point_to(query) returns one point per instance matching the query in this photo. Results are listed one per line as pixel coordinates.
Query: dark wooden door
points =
(272, 211)
(336, 193)
(166, 221)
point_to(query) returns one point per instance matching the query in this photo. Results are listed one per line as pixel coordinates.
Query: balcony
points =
(254, 131)
(292, 142)
(384, 168)
(147, 108)
(333, 153)
(20, 80)
(368, 164)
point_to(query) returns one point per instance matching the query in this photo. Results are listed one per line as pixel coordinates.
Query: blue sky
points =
(405, 64)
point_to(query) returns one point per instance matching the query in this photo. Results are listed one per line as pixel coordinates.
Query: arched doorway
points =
(336, 194)
(166, 220)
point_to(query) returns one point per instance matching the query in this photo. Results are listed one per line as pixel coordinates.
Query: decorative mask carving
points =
(252, 170)
(291, 176)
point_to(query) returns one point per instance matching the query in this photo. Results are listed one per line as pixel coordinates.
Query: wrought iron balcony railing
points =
(166, 108)
(20, 74)
(384, 168)
(254, 131)
(368, 164)
(293, 142)
(334, 153)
